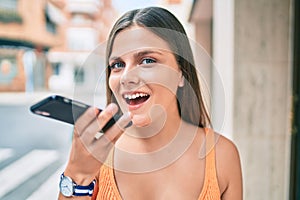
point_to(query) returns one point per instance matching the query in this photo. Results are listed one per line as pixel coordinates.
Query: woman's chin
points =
(141, 120)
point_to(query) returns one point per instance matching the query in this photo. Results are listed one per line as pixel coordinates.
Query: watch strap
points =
(80, 190)
(88, 190)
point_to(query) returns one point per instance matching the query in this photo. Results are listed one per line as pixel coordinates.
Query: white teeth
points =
(134, 96)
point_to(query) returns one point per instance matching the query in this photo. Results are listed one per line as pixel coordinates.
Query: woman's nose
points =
(130, 76)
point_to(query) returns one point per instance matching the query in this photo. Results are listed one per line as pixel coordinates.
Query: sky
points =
(123, 6)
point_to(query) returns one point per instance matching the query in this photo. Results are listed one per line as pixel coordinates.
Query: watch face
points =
(66, 186)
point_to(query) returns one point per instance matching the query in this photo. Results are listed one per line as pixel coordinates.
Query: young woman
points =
(169, 151)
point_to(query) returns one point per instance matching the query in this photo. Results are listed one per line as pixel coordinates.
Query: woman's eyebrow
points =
(138, 54)
(114, 58)
(145, 52)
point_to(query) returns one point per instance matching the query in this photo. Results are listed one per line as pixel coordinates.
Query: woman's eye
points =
(148, 61)
(117, 65)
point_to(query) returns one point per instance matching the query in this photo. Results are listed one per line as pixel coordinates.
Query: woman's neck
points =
(140, 155)
(152, 137)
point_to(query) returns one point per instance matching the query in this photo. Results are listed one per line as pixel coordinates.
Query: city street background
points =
(33, 149)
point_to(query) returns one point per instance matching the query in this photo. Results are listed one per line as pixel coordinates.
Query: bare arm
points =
(229, 170)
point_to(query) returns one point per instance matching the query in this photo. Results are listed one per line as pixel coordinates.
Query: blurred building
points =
(43, 43)
(25, 35)
(82, 25)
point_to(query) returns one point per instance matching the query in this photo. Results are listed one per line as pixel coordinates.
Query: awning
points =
(21, 44)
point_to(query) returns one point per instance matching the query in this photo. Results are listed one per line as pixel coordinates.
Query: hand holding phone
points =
(88, 151)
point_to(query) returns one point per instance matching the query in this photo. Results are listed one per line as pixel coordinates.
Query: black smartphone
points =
(65, 110)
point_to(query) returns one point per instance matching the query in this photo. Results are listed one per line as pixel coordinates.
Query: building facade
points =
(83, 25)
(24, 38)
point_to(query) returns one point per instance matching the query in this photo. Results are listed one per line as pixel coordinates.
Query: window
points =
(81, 39)
(79, 75)
(9, 11)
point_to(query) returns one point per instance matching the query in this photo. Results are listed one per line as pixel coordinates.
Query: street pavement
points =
(33, 149)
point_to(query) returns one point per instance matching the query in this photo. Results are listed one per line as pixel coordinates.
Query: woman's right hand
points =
(89, 152)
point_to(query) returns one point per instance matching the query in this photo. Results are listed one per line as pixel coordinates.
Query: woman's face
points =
(144, 74)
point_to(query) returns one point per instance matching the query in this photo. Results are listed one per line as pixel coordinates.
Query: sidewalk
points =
(23, 98)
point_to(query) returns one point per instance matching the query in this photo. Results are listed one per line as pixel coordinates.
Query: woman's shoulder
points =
(226, 148)
(228, 163)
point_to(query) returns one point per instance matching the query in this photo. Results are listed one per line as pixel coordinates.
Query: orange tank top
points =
(107, 188)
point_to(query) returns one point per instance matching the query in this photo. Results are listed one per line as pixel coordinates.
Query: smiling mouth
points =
(136, 98)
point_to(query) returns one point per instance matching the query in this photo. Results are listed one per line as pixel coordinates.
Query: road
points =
(33, 153)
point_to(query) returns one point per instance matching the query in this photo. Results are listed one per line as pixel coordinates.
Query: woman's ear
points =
(181, 80)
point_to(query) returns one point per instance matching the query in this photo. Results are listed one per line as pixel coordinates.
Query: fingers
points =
(85, 119)
(89, 125)
(116, 130)
(99, 144)
(107, 114)
(91, 121)
(101, 147)
(86, 148)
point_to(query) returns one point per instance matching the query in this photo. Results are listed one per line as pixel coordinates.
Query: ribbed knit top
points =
(107, 188)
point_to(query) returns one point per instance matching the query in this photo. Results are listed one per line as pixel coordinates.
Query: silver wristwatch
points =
(69, 188)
